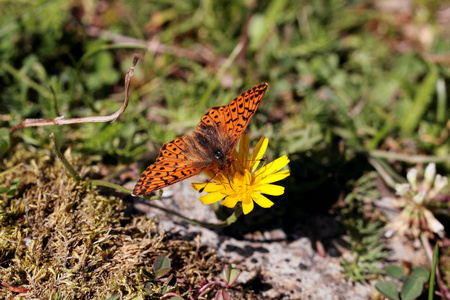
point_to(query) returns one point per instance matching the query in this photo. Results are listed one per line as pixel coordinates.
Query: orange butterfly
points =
(209, 148)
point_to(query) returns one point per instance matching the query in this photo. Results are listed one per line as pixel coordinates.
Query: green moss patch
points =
(62, 239)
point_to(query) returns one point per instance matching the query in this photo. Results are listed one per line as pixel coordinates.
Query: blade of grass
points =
(421, 101)
(384, 131)
(433, 272)
(10, 169)
(389, 176)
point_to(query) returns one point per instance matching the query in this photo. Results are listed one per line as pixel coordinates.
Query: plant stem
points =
(413, 159)
(230, 220)
(64, 161)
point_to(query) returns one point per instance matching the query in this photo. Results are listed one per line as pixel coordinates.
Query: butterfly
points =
(209, 148)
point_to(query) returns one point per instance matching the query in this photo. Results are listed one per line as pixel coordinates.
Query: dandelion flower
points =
(244, 182)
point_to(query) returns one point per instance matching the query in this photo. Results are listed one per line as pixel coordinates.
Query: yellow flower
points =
(244, 182)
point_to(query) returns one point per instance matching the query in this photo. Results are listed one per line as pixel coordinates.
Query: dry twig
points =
(62, 121)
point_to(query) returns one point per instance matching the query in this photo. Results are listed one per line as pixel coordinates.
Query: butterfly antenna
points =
(209, 181)
(229, 182)
(263, 160)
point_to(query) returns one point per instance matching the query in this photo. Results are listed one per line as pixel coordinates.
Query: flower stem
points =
(230, 220)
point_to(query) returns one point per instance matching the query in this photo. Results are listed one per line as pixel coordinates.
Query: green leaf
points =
(161, 266)
(395, 272)
(176, 298)
(230, 274)
(412, 288)
(388, 289)
(422, 273)
(421, 102)
(115, 297)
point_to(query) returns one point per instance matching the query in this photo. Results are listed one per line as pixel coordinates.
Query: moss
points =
(63, 239)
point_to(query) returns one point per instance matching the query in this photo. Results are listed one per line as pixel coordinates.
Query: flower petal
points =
(198, 186)
(412, 178)
(430, 172)
(274, 177)
(440, 182)
(433, 223)
(274, 166)
(262, 200)
(229, 202)
(208, 187)
(401, 188)
(211, 197)
(258, 153)
(247, 206)
(270, 189)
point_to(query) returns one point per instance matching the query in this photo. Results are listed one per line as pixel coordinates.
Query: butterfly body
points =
(209, 148)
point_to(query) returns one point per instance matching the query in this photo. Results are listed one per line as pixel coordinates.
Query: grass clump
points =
(63, 239)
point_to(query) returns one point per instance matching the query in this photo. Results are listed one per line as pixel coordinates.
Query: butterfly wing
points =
(170, 166)
(235, 117)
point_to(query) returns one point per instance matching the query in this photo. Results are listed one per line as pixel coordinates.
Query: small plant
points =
(162, 268)
(365, 233)
(367, 249)
(410, 287)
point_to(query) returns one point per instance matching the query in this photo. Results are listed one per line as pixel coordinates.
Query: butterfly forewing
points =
(178, 159)
(171, 166)
(160, 175)
(237, 114)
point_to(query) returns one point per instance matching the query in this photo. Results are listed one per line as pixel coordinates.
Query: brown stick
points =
(62, 121)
